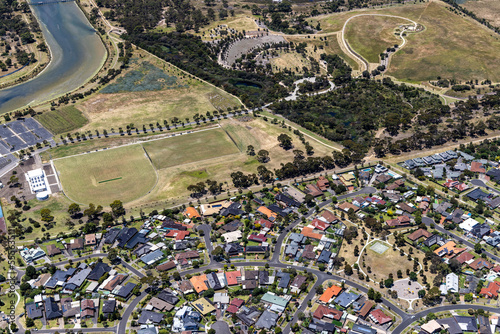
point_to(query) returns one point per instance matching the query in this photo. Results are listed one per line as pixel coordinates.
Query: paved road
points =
(122, 326)
(408, 321)
(481, 183)
(428, 221)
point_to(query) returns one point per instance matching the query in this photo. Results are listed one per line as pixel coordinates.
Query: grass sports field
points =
(451, 46)
(185, 149)
(62, 120)
(123, 173)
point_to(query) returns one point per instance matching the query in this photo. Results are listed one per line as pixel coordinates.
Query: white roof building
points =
(452, 282)
(468, 224)
(232, 236)
(36, 179)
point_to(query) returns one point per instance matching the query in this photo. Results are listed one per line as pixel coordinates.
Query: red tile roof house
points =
(479, 264)
(419, 234)
(477, 167)
(330, 217)
(177, 235)
(233, 277)
(264, 223)
(464, 257)
(379, 317)
(322, 183)
(319, 224)
(257, 238)
(326, 313)
(88, 308)
(491, 291)
(400, 221)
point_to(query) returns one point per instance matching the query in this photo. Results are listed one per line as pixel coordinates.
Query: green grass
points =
(189, 148)
(81, 175)
(62, 120)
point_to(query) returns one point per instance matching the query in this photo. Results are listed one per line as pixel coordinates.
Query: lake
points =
(77, 54)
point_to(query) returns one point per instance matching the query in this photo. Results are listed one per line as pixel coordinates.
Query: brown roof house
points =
(313, 190)
(166, 266)
(420, 233)
(322, 183)
(118, 279)
(90, 239)
(88, 308)
(186, 287)
(53, 250)
(75, 244)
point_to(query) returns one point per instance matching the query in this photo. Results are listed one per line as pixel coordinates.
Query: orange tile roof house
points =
(326, 313)
(419, 234)
(308, 232)
(198, 283)
(447, 249)
(322, 183)
(491, 291)
(233, 277)
(329, 293)
(477, 167)
(191, 213)
(268, 213)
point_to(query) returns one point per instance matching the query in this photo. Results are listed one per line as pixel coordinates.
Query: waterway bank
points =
(77, 54)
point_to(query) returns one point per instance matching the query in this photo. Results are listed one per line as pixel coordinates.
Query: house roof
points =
(319, 224)
(308, 232)
(380, 316)
(267, 320)
(53, 250)
(324, 311)
(191, 212)
(33, 311)
(160, 305)
(203, 306)
(366, 308)
(166, 266)
(268, 213)
(477, 167)
(329, 293)
(329, 216)
(114, 282)
(148, 317)
(185, 286)
(198, 283)
(271, 298)
(232, 277)
(176, 234)
(99, 270)
(480, 263)
(419, 234)
(346, 298)
(108, 306)
(298, 281)
(187, 255)
(125, 290)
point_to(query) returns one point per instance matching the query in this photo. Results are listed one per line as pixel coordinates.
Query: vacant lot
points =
(151, 91)
(62, 120)
(189, 148)
(372, 35)
(451, 46)
(101, 177)
(291, 61)
(487, 9)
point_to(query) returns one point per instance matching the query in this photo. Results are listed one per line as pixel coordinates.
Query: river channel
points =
(77, 54)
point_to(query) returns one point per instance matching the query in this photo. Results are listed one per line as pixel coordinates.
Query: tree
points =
(478, 248)
(348, 269)
(30, 322)
(209, 293)
(371, 293)
(31, 272)
(46, 215)
(112, 254)
(285, 141)
(74, 209)
(117, 208)
(319, 290)
(263, 156)
(250, 150)
(377, 296)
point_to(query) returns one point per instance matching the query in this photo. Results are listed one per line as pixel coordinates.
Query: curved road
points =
(356, 55)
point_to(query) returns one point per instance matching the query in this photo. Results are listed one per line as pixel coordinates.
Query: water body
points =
(77, 53)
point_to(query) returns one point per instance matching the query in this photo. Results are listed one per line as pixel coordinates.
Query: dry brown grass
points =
(487, 9)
